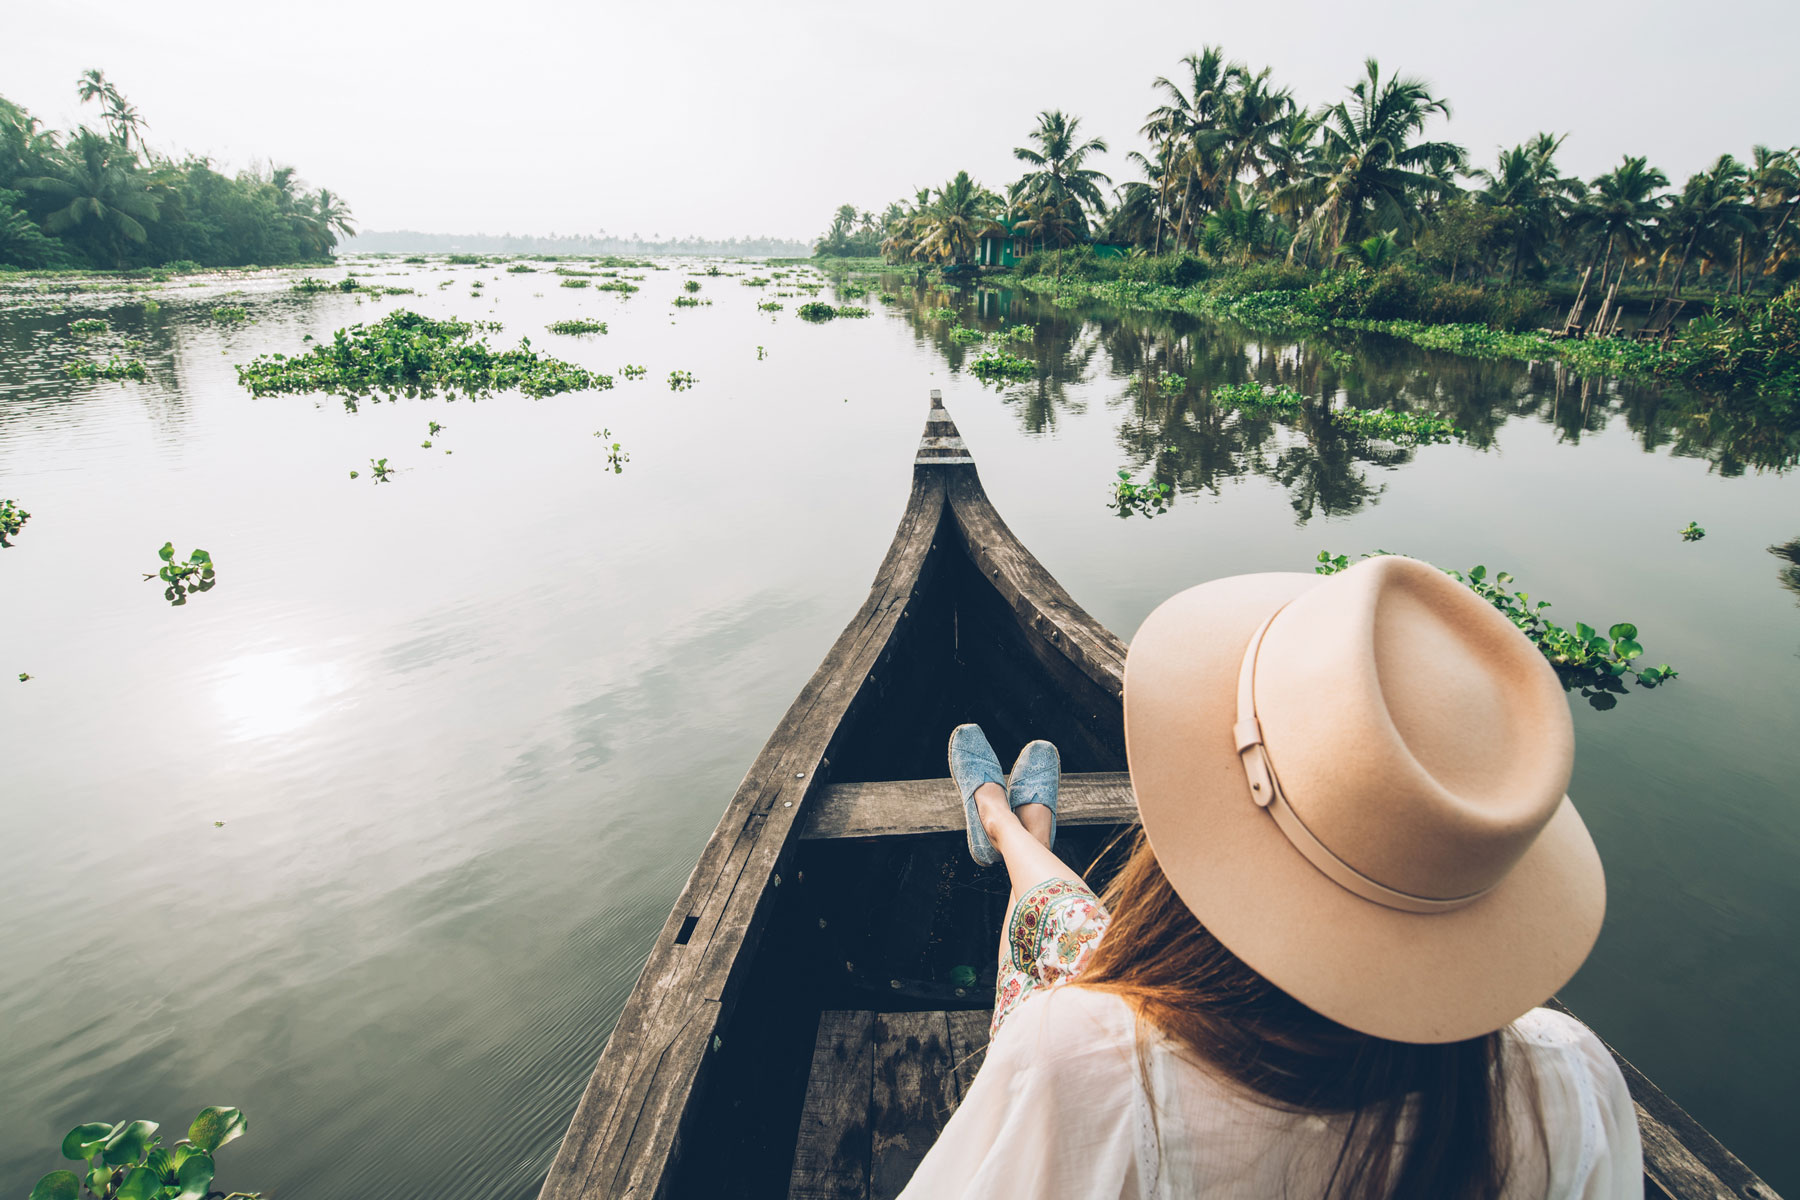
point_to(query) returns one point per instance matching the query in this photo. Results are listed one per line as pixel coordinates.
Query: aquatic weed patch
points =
(411, 355)
(88, 325)
(680, 381)
(578, 283)
(997, 362)
(815, 310)
(1401, 428)
(1148, 498)
(852, 311)
(1254, 397)
(230, 315)
(193, 574)
(125, 1160)
(114, 368)
(12, 519)
(577, 325)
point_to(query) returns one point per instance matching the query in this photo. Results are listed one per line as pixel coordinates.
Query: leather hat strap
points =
(1265, 790)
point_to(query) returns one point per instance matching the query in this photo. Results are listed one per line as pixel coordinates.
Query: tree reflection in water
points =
(1187, 441)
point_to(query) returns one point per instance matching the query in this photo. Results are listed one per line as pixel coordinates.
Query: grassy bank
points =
(1749, 346)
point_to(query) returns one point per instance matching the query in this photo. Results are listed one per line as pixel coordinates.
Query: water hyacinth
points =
(405, 354)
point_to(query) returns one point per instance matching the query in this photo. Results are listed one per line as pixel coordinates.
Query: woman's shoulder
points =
(1072, 1020)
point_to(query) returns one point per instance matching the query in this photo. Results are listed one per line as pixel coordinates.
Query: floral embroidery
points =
(1050, 936)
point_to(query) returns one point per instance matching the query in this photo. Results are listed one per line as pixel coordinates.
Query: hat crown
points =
(1418, 735)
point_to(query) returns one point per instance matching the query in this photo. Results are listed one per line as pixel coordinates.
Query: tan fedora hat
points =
(1357, 783)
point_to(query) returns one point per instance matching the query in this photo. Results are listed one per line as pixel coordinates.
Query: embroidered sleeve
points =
(1050, 936)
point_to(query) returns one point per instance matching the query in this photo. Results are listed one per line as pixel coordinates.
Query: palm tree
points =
(1052, 224)
(96, 191)
(1060, 176)
(1251, 119)
(1187, 129)
(122, 117)
(952, 226)
(1535, 197)
(1622, 206)
(1373, 252)
(332, 213)
(1775, 181)
(1371, 171)
(1711, 203)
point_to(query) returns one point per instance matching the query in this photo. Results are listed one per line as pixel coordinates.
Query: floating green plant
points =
(521, 269)
(1016, 333)
(194, 574)
(692, 285)
(1148, 498)
(465, 260)
(888, 298)
(633, 371)
(850, 291)
(614, 285)
(408, 354)
(1255, 397)
(616, 456)
(124, 1160)
(1584, 660)
(1693, 532)
(12, 518)
(770, 306)
(942, 314)
(230, 315)
(1168, 383)
(815, 310)
(379, 468)
(997, 362)
(852, 311)
(688, 302)
(1405, 428)
(577, 283)
(963, 335)
(577, 325)
(112, 368)
(87, 325)
(680, 381)
(755, 281)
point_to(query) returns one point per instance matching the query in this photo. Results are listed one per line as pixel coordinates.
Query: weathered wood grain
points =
(913, 1096)
(831, 1156)
(903, 807)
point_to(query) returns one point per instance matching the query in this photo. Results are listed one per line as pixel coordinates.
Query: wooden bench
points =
(881, 1088)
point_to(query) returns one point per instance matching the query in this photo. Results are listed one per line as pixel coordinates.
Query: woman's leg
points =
(1022, 836)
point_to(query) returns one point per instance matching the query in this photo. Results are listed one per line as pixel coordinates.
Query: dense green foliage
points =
(92, 198)
(1596, 665)
(407, 354)
(113, 368)
(126, 1160)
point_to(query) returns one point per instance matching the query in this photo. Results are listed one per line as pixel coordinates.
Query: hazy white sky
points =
(719, 119)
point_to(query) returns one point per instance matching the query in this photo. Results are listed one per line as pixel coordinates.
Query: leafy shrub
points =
(1745, 344)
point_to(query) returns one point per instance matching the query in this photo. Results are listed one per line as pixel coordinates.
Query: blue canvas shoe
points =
(973, 763)
(1034, 779)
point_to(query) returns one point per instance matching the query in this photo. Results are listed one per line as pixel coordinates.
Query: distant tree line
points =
(406, 241)
(104, 198)
(1236, 171)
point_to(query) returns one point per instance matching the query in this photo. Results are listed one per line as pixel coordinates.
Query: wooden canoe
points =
(818, 997)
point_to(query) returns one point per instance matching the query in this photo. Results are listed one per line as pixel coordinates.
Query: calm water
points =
(467, 730)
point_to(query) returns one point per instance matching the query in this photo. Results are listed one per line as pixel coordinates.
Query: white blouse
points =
(1059, 1111)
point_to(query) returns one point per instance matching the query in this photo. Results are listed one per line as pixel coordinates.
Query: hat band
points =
(1265, 790)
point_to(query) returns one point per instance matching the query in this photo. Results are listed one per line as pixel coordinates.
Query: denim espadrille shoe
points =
(973, 763)
(1034, 778)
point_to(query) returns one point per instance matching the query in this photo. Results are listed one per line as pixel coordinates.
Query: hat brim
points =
(1408, 977)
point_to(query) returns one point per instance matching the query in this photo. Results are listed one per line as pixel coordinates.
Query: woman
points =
(1317, 975)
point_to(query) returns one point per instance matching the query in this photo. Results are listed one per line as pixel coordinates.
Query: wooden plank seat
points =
(902, 807)
(882, 1086)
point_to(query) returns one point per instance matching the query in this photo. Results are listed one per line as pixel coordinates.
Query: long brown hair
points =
(1182, 980)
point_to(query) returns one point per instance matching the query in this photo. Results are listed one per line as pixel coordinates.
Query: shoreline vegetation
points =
(1357, 215)
(90, 199)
